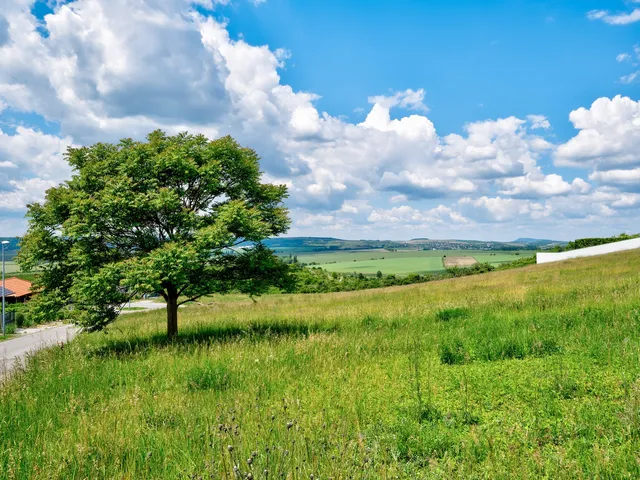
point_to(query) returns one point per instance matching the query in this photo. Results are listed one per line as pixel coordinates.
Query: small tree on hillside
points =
(180, 215)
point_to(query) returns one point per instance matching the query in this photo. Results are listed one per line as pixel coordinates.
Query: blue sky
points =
(386, 119)
(476, 60)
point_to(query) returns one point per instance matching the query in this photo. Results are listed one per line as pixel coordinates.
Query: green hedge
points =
(592, 242)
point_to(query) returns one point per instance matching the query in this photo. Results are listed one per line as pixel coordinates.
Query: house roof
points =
(16, 287)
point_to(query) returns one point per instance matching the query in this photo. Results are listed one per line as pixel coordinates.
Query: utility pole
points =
(5, 242)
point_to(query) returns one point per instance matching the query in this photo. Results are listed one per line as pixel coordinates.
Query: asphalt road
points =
(144, 304)
(16, 349)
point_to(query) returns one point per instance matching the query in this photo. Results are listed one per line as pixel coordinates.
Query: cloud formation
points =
(622, 18)
(103, 70)
(608, 137)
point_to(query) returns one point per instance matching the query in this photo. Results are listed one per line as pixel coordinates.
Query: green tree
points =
(180, 215)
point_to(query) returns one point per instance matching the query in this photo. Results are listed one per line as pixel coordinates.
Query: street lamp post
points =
(5, 242)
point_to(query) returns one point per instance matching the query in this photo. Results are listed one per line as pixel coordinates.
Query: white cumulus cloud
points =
(622, 18)
(113, 69)
(608, 137)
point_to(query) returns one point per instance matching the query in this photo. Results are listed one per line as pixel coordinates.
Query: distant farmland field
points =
(397, 266)
(402, 262)
(11, 267)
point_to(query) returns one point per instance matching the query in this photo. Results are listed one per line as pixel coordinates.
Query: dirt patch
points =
(459, 261)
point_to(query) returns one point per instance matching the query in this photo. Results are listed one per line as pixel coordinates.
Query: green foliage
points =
(21, 314)
(181, 216)
(592, 242)
(472, 270)
(522, 262)
(317, 280)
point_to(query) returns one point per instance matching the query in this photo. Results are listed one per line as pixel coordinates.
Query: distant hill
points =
(11, 249)
(537, 241)
(321, 244)
(13, 242)
(291, 245)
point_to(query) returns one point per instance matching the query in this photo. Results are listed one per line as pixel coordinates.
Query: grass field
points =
(402, 262)
(397, 266)
(527, 373)
(11, 267)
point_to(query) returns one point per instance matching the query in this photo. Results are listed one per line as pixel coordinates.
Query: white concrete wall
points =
(589, 251)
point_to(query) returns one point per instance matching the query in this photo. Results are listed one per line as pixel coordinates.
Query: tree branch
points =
(121, 307)
(191, 299)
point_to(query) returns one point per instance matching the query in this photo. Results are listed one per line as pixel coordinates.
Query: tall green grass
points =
(524, 373)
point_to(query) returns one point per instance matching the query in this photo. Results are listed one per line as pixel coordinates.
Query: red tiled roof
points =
(17, 286)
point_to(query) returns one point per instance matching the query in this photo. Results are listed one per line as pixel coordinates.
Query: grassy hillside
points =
(525, 373)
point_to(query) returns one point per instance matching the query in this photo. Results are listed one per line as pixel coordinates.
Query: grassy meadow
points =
(526, 373)
(11, 267)
(403, 262)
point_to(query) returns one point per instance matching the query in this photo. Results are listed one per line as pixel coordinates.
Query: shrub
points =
(23, 320)
(521, 262)
(473, 270)
(591, 242)
(22, 317)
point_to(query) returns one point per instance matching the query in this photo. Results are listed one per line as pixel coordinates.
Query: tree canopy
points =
(181, 216)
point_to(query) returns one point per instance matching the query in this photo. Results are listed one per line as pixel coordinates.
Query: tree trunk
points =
(172, 313)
